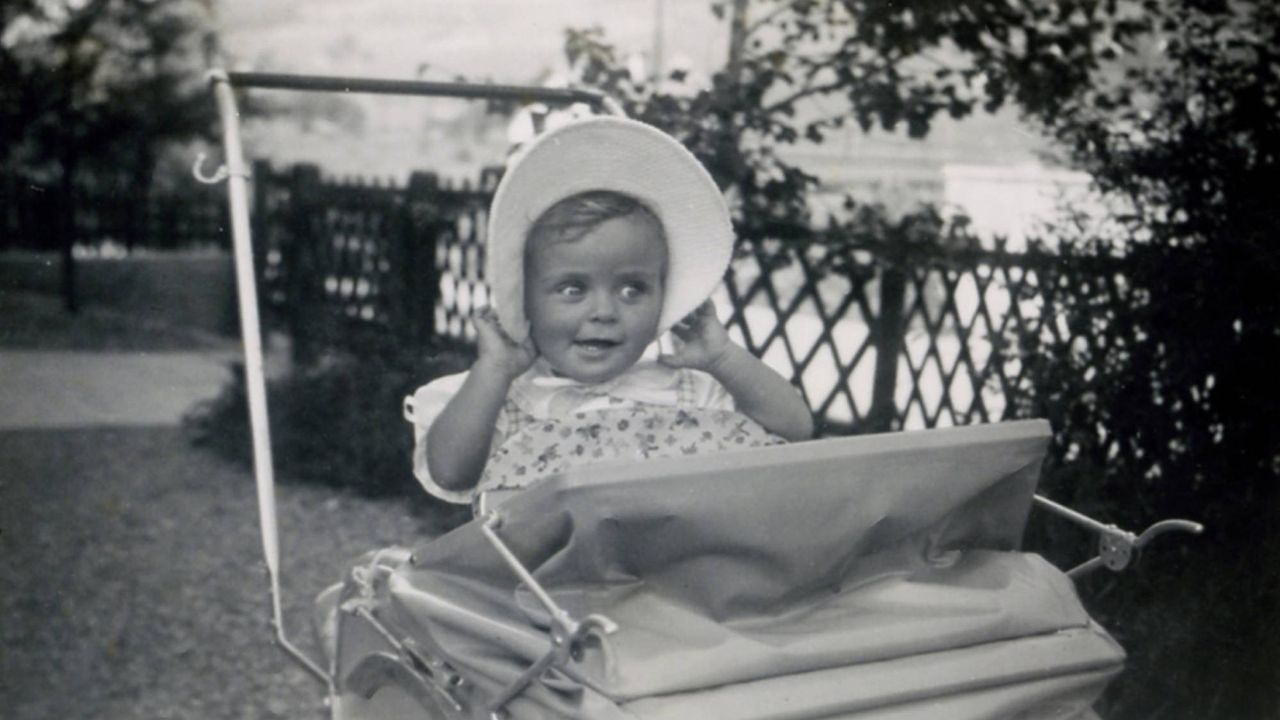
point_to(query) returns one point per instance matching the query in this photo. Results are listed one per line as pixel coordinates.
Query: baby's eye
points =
(633, 291)
(570, 290)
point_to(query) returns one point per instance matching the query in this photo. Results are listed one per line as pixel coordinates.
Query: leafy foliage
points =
(1169, 407)
(800, 68)
(1175, 408)
(730, 137)
(905, 62)
(336, 424)
(99, 84)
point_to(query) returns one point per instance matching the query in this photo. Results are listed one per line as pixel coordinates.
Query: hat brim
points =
(624, 156)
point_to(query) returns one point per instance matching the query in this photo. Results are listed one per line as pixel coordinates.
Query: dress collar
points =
(647, 381)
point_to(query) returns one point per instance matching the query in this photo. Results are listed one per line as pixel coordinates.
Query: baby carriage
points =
(869, 577)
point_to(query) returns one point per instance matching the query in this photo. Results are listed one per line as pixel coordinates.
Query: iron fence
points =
(40, 216)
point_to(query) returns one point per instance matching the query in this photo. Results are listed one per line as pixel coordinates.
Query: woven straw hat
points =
(625, 156)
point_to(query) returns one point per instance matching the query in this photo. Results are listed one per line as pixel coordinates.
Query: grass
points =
(32, 321)
(134, 587)
(132, 573)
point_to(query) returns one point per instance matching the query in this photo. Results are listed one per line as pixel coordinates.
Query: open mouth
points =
(596, 346)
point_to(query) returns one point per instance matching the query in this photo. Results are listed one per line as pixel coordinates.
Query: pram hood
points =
(811, 580)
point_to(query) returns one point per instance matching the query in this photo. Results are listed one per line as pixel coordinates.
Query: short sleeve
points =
(421, 409)
(707, 392)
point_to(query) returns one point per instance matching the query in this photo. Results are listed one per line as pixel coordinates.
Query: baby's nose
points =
(604, 307)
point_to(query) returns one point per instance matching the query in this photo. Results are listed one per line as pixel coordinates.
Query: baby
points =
(629, 236)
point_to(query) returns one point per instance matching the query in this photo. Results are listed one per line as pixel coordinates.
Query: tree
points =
(800, 68)
(98, 87)
(1176, 410)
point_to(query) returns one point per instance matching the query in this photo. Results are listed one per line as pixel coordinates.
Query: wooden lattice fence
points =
(877, 336)
(888, 337)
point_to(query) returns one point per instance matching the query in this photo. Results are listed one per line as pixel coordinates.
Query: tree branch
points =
(802, 93)
(766, 19)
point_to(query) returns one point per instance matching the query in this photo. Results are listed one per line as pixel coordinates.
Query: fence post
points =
(887, 336)
(13, 204)
(419, 277)
(304, 294)
(65, 222)
(260, 178)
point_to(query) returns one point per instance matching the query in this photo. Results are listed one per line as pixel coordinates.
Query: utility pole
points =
(737, 39)
(659, 29)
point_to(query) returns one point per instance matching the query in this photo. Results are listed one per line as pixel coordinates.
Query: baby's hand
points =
(701, 340)
(498, 351)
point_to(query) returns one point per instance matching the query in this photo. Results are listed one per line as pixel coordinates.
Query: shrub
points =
(336, 424)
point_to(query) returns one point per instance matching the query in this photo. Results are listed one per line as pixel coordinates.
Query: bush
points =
(1171, 408)
(336, 424)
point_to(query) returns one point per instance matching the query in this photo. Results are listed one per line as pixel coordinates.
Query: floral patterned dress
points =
(638, 432)
(549, 424)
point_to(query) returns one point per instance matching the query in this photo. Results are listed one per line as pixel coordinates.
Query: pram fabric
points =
(871, 577)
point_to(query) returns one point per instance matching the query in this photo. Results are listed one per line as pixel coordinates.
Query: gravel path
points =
(132, 581)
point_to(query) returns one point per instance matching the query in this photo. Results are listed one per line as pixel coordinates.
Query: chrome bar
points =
(379, 86)
(490, 525)
(1116, 546)
(1085, 568)
(565, 631)
(237, 175)
(1072, 515)
(413, 661)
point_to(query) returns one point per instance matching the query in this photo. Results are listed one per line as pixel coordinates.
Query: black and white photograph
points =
(640, 359)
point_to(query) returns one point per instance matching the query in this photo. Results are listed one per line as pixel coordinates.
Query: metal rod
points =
(294, 651)
(251, 336)
(489, 527)
(1085, 568)
(377, 86)
(1165, 526)
(1072, 515)
(526, 678)
(408, 655)
(565, 631)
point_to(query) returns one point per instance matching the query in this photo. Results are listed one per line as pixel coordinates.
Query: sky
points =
(507, 41)
(521, 42)
(500, 41)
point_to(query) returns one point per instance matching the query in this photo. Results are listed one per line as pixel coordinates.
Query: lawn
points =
(33, 321)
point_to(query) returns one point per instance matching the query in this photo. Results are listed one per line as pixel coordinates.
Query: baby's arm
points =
(459, 439)
(758, 391)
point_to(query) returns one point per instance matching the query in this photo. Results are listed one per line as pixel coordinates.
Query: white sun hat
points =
(624, 156)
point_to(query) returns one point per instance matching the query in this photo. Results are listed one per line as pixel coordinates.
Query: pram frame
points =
(235, 172)
(410, 667)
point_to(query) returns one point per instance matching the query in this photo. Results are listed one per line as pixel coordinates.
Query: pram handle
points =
(428, 88)
(1116, 546)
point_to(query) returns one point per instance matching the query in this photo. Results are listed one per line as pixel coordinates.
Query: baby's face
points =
(593, 303)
